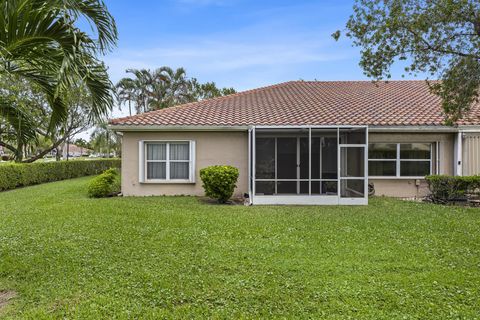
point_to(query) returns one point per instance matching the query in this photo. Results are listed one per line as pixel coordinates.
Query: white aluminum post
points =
(249, 165)
(458, 154)
(253, 161)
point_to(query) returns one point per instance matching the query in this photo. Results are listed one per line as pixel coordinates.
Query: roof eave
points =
(371, 128)
(125, 128)
(408, 128)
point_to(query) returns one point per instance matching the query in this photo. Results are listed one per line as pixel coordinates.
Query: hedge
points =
(25, 174)
(445, 188)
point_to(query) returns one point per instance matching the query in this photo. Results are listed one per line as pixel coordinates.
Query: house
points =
(72, 150)
(302, 142)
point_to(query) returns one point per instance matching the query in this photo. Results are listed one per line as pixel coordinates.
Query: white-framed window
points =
(399, 160)
(167, 161)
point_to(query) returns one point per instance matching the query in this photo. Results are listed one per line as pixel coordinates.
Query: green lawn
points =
(68, 256)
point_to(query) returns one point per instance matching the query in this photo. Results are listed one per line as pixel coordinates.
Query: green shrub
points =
(445, 188)
(105, 184)
(219, 182)
(25, 174)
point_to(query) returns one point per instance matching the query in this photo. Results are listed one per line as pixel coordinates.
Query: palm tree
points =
(177, 86)
(164, 87)
(104, 141)
(41, 43)
(143, 81)
(126, 92)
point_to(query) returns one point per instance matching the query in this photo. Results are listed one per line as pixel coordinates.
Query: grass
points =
(68, 256)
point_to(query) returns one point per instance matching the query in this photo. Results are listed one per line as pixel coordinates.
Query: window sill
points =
(168, 182)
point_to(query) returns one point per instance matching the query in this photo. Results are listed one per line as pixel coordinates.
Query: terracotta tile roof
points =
(395, 103)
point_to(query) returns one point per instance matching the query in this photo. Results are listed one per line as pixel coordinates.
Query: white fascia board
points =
(307, 126)
(443, 129)
(126, 128)
(433, 129)
(465, 128)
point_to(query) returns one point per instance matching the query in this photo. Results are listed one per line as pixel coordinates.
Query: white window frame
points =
(143, 162)
(398, 161)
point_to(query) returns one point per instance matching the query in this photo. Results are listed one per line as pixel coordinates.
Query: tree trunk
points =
(10, 147)
(44, 152)
(19, 153)
(58, 154)
(68, 149)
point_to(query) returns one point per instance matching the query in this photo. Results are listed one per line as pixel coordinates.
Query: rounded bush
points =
(105, 184)
(219, 182)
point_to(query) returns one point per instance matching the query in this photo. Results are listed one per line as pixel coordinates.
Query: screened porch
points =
(308, 165)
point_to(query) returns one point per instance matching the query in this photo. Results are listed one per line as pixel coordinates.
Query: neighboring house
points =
(302, 143)
(72, 150)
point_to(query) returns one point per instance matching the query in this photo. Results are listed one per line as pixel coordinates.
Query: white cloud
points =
(225, 55)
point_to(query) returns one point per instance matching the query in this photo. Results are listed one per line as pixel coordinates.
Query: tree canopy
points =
(41, 42)
(438, 38)
(162, 88)
(52, 82)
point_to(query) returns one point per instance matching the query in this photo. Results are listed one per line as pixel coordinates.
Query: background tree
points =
(29, 138)
(208, 90)
(82, 143)
(162, 88)
(440, 38)
(104, 141)
(41, 43)
(126, 90)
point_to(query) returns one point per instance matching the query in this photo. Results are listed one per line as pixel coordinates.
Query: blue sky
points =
(236, 43)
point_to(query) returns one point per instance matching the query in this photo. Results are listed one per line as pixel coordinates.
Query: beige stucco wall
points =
(403, 188)
(212, 148)
(231, 148)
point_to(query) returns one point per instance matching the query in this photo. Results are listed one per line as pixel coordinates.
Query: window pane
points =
(303, 187)
(329, 158)
(352, 136)
(179, 170)
(352, 188)
(304, 164)
(265, 162)
(325, 187)
(264, 187)
(287, 158)
(287, 187)
(156, 170)
(156, 151)
(316, 158)
(415, 151)
(179, 151)
(414, 168)
(352, 162)
(382, 168)
(382, 151)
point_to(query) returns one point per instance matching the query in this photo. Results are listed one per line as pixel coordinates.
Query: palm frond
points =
(20, 121)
